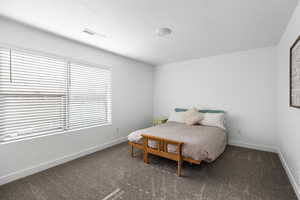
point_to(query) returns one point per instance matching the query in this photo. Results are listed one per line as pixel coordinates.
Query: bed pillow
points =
(201, 110)
(176, 117)
(192, 116)
(214, 119)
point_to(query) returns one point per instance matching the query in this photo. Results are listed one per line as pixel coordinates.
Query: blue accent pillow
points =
(202, 111)
(180, 109)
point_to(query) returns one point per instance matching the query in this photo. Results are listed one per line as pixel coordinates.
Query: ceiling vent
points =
(93, 33)
(163, 31)
(88, 31)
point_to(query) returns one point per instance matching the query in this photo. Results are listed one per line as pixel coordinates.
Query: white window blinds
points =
(41, 95)
(89, 96)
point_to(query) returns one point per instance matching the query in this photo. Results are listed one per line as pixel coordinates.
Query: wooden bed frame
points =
(161, 150)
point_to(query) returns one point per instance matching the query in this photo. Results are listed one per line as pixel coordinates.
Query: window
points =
(89, 96)
(41, 95)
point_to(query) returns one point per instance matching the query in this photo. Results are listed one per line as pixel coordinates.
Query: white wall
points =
(288, 120)
(131, 107)
(242, 83)
(245, 84)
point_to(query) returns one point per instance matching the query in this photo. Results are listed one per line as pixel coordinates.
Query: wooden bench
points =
(161, 149)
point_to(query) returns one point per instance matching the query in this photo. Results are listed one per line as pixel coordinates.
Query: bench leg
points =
(146, 157)
(145, 151)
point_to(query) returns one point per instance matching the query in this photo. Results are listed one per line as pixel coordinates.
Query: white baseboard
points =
(253, 146)
(289, 173)
(46, 165)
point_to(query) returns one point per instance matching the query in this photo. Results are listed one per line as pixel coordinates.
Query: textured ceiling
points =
(201, 28)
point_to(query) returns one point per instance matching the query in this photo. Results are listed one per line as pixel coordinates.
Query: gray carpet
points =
(239, 174)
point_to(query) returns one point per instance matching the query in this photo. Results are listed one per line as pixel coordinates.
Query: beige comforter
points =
(200, 142)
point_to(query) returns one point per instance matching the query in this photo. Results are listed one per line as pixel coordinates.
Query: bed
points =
(180, 142)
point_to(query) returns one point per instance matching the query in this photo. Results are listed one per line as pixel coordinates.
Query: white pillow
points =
(192, 116)
(214, 119)
(176, 117)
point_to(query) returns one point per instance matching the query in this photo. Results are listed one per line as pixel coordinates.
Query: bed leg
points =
(179, 168)
(131, 151)
(179, 159)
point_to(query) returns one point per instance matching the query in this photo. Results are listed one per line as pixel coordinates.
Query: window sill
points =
(40, 135)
